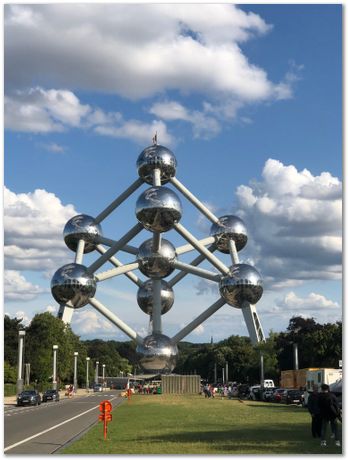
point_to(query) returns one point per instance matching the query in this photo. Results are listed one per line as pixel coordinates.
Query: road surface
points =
(46, 428)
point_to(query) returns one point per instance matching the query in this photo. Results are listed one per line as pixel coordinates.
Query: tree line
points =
(319, 345)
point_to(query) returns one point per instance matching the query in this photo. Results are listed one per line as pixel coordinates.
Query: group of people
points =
(324, 409)
(210, 391)
(148, 389)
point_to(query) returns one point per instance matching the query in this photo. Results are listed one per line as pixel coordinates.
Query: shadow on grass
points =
(280, 407)
(282, 440)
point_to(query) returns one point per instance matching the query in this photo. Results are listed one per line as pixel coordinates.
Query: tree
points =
(44, 331)
(11, 328)
(10, 373)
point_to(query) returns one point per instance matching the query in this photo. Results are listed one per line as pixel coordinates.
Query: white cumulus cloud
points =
(33, 225)
(16, 287)
(295, 223)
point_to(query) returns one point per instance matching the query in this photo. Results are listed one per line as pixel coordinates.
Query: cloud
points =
(16, 287)
(53, 147)
(129, 56)
(41, 111)
(203, 126)
(313, 302)
(86, 322)
(33, 225)
(294, 221)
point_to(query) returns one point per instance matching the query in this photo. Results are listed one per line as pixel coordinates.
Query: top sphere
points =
(156, 157)
(81, 227)
(229, 227)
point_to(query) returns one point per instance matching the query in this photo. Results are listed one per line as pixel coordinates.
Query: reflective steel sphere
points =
(157, 354)
(145, 297)
(73, 282)
(244, 284)
(158, 209)
(156, 156)
(81, 227)
(156, 264)
(229, 227)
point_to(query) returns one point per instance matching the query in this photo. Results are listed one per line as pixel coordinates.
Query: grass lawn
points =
(192, 424)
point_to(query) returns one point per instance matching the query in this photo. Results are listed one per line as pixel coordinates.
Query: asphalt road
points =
(46, 428)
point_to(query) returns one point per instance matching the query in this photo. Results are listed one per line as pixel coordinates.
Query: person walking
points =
(329, 412)
(314, 410)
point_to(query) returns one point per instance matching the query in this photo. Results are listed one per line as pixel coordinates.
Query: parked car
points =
(50, 395)
(292, 396)
(98, 387)
(268, 394)
(277, 395)
(29, 397)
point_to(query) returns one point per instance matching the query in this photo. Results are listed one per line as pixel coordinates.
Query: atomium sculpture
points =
(158, 210)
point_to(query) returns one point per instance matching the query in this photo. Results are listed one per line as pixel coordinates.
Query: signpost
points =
(105, 407)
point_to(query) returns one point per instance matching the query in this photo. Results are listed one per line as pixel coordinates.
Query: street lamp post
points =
(76, 353)
(103, 375)
(87, 372)
(54, 382)
(96, 372)
(21, 335)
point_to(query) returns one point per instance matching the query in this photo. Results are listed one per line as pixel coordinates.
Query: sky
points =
(247, 97)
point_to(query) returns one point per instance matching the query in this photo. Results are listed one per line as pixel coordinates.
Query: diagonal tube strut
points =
(202, 249)
(116, 247)
(116, 271)
(199, 259)
(195, 201)
(115, 320)
(117, 263)
(199, 320)
(120, 199)
(197, 271)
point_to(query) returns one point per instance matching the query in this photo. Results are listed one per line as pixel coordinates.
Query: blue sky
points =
(249, 98)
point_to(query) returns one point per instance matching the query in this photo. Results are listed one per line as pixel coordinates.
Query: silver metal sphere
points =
(156, 264)
(158, 209)
(244, 284)
(73, 282)
(145, 297)
(157, 354)
(81, 227)
(156, 157)
(229, 227)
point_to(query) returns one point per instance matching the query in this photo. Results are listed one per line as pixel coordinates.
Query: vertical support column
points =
(87, 372)
(157, 307)
(223, 375)
(79, 252)
(21, 335)
(215, 373)
(295, 356)
(76, 353)
(54, 380)
(96, 378)
(233, 251)
(262, 374)
(156, 181)
(103, 376)
(226, 372)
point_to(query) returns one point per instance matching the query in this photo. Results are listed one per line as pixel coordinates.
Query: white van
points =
(268, 383)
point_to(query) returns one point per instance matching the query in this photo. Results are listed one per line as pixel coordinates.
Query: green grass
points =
(183, 424)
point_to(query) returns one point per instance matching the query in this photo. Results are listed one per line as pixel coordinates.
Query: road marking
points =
(52, 428)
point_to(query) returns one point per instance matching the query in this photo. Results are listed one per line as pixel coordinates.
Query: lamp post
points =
(54, 381)
(76, 353)
(103, 375)
(96, 372)
(21, 335)
(87, 372)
